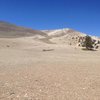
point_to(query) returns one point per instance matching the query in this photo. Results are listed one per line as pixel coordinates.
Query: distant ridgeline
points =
(58, 36)
(8, 30)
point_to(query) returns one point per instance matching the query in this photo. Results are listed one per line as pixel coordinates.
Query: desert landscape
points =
(46, 65)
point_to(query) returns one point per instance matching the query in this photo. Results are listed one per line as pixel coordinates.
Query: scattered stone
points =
(70, 44)
(12, 93)
(7, 46)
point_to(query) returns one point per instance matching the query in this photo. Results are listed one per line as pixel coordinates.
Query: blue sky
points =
(81, 15)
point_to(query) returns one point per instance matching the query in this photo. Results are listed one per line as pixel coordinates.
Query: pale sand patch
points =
(66, 73)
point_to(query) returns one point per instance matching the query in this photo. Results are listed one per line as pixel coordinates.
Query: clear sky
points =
(81, 15)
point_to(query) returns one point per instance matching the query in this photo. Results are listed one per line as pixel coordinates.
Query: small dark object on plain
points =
(47, 49)
(8, 46)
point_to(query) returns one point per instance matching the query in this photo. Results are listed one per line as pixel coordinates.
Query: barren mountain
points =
(64, 36)
(8, 30)
(58, 36)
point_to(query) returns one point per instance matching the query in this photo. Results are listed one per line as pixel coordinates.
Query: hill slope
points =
(66, 36)
(8, 30)
(58, 36)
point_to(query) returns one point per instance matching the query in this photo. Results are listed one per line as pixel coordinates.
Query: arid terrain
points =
(46, 65)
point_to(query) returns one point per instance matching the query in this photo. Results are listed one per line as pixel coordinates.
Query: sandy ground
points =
(65, 73)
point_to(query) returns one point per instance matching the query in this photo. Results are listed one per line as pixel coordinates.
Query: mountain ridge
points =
(11, 30)
(58, 36)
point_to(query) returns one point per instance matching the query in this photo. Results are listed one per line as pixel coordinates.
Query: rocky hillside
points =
(64, 36)
(67, 36)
